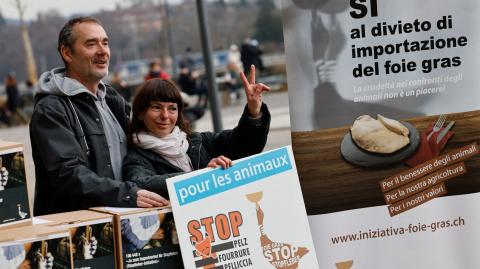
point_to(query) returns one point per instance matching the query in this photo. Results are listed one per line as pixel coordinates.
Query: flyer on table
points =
(385, 117)
(251, 215)
(13, 187)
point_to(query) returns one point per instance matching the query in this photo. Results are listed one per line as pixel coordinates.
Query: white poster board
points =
(251, 215)
(404, 68)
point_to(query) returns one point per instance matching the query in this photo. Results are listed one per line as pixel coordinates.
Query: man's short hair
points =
(66, 38)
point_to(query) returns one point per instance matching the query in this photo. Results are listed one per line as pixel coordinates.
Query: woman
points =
(162, 145)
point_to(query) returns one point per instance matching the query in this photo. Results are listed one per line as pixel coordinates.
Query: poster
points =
(385, 118)
(93, 245)
(50, 252)
(250, 215)
(14, 207)
(149, 240)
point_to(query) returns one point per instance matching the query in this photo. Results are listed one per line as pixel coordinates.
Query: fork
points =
(438, 125)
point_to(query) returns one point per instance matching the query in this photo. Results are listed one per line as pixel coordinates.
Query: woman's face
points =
(160, 118)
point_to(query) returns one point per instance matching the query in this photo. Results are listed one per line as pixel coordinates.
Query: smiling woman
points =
(157, 108)
(160, 118)
(162, 144)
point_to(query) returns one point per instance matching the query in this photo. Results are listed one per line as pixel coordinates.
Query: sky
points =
(66, 8)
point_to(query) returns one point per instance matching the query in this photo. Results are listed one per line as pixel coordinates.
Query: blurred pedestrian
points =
(191, 83)
(13, 97)
(13, 100)
(30, 91)
(233, 81)
(234, 57)
(257, 51)
(155, 70)
(187, 60)
(251, 55)
(121, 86)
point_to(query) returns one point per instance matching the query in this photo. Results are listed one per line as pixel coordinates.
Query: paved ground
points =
(279, 132)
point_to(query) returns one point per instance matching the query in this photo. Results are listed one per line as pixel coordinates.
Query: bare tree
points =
(27, 45)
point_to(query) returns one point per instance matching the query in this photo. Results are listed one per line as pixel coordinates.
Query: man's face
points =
(89, 58)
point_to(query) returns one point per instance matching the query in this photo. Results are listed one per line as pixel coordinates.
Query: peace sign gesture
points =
(253, 92)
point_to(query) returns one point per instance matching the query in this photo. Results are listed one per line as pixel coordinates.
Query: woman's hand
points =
(222, 161)
(253, 92)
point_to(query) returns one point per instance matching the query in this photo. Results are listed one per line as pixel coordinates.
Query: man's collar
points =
(101, 91)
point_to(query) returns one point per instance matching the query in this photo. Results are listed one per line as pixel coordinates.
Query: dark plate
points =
(358, 156)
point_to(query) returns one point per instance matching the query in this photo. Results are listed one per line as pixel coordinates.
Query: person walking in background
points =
(13, 97)
(78, 129)
(30, 90)
(121, 86)
(187, 60)
(257, 54)
(235, 57)
(246, 55)
(191, 83)
(232, 81)
(155, 71)
(13, 100)
(162, 145)
(251, 55)
(232, 77)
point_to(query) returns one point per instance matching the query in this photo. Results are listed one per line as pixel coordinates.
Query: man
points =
(78, 129)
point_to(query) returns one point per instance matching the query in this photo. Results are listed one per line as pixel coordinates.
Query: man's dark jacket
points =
(149, 170)
(70, 150)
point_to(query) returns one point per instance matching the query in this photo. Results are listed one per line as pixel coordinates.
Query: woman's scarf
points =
(172, 147)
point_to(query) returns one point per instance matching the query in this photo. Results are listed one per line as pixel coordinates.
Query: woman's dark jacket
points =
(149, 170)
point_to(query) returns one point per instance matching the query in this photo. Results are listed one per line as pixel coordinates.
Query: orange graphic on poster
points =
(279, 255)
(204, 249)
(344, 265)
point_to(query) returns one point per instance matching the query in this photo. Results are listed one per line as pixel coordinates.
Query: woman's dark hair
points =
(152, 90)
